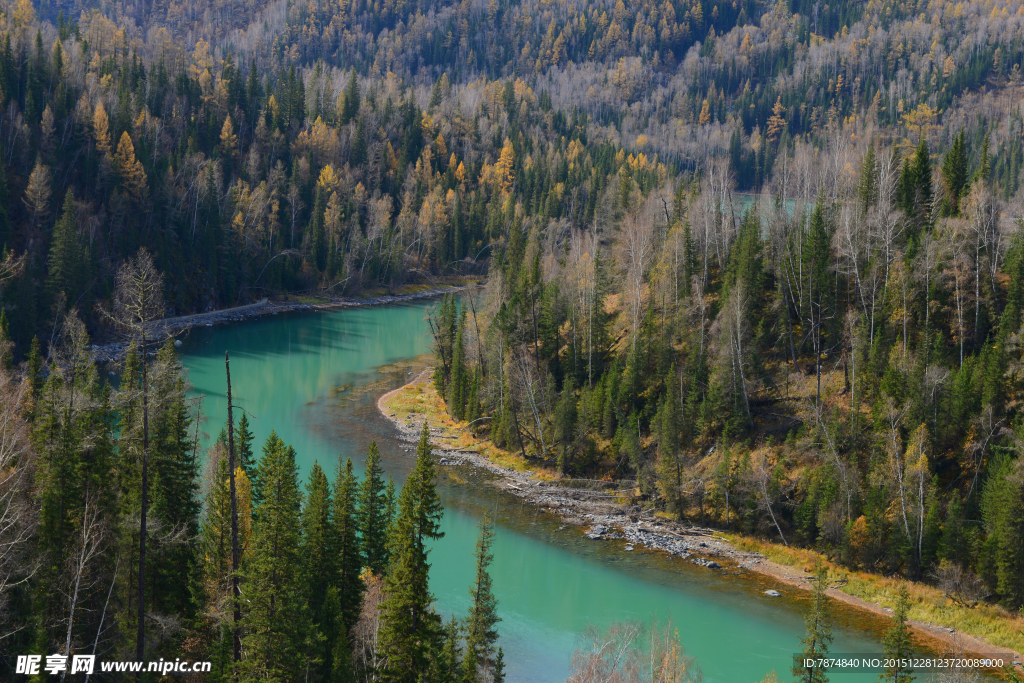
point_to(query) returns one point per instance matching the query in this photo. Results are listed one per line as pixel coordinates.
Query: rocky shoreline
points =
(602, 517)
(596, 511)
(169, 327)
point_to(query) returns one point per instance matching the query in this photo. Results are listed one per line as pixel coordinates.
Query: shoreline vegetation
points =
(938, 623)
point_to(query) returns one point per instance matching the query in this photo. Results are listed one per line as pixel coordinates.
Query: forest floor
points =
(603, 510)
(172, 327)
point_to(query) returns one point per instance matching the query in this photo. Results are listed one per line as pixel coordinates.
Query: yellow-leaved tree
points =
(228, 140)
(504, 174)
(101, 130)
(129, 169)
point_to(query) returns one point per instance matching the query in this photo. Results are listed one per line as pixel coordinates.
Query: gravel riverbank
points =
(601, 516)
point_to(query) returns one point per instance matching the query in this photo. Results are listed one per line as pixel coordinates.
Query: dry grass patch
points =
(990, 623)
(420, 400)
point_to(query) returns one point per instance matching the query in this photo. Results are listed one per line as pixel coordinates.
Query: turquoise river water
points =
(315, 378)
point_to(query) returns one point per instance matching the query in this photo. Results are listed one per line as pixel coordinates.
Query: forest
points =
(122, 542)
(764, 260)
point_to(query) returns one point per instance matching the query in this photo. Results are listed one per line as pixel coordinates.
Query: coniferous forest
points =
(762, 260)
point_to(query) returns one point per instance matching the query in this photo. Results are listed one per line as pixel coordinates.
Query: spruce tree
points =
(499, 667)
(565, 423)
(175, 488)
(64, 265)
(72, 432)
(896, 642)
(373, 522)
(243, 446)
(35, 371)
(921, 174)
(818, 622)
(352, 99)
(667, 425)
(320, 569)
(459, 383)
(346, 545)
(410, 628)
(984, 163)
(276, 623)
(481, 634)
(445, 666)
(954, 174)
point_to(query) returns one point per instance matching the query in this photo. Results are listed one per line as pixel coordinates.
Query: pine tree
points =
(64, 266)
(319, 555)
(896, 642)
(445, 666)
(481, 634)
(352, 99)
(346, 544)
(215, 541)
(372, 515)
(459, 384)
(667, 425)
(954, 174)
(565, 422)
(243, 446)
(35, 370)
(921, 175)
(818, 622)
(175, 567)
(499, 667)
(276, 623)
(984, 164)
(410, 628)
(867, 185)
(72, 432)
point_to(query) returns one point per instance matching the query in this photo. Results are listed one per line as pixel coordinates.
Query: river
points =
(315, 378)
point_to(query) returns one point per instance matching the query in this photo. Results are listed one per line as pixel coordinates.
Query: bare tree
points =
(960, 585)
(138, 301)
(366, 631)
(958, 272)
(632, 652)
(18, 511)
(638, 251)
(88, 547)
(761, 478)
(531, 386)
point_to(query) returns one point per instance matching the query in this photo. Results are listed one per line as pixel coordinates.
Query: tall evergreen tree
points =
(243, 445)
(481, 634)
(65, 263)
(352, 99)
(319, 555)
(276, 623)
(410, 628)
(954, 175)
(818, 622)
(175, 499)
(373, 521)
(346, 544)
(897, 642)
